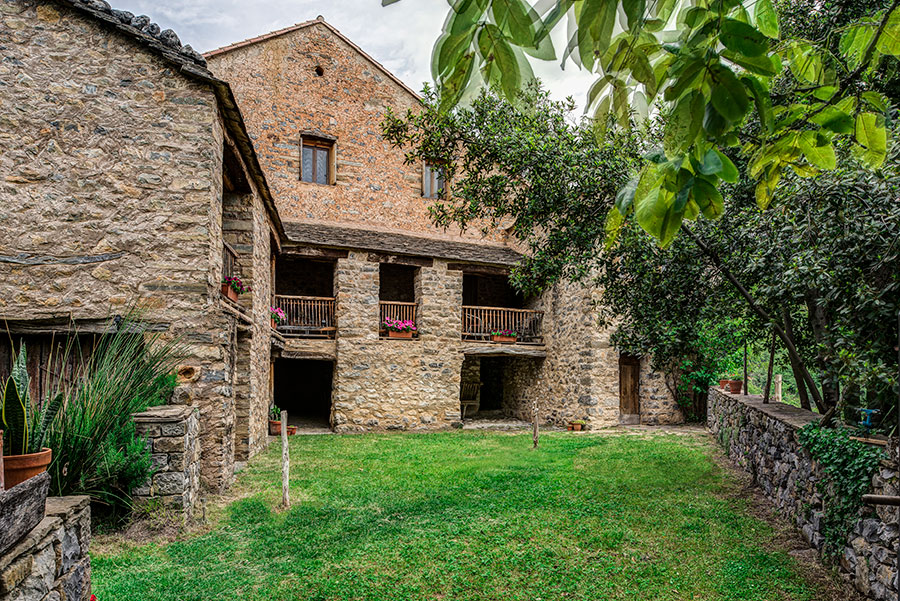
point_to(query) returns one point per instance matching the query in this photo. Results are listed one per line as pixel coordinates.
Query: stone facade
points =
(172, 435)
(116, 152)
(761, 438)
(51, 563)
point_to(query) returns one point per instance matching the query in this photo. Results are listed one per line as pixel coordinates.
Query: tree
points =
(707, 64)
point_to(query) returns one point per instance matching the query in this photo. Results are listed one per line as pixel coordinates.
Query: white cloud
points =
(399, 36)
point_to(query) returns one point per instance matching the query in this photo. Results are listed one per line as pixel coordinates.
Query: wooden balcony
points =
(397, 310)
(229, 261)
(306, 316)
(479, 322)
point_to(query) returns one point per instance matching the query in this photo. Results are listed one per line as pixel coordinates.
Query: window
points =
(432, 181)
(317, 158)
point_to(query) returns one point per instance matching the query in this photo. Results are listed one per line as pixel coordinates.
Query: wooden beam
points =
(478, 269)
(400, 260)
(314, 252)
(496, 350)
(65, 325)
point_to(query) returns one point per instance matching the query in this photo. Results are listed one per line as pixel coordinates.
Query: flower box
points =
(393, 334)
(503, 339)
(229, 292)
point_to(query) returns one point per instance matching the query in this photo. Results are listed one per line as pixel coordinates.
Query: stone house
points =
(361, 247)
(129, 179)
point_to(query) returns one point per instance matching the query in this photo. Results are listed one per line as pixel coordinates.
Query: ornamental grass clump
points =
(398, 325)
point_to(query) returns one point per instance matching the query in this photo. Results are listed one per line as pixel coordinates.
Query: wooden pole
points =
(534, 417)
(771, 366)
(778, 388)
(745, 385)
(285, 461)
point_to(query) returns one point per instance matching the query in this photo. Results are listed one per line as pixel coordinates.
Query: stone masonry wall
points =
(395, 384)
(761, 438)
(51, 563)
(657, 404)
(281, 95)
(111, 196)
(172, 436)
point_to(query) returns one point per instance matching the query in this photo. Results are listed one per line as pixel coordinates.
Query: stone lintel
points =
(510, 350)
(164, 414)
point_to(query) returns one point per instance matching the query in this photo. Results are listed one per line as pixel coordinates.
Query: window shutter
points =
(332, 168)
(300, 162)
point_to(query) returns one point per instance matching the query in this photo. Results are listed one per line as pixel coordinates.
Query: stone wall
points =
(395, 384)
(51, 563)
(761, 438)
(657, 403)
(282, 96)
(172, 436)
(111, 197)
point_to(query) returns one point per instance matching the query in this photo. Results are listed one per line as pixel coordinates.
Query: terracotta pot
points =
(570, 427)
(393, 334)
(229, 292)
(275, 427)
(577, 427)
(292, 430)
(723, 384)
(19, 468)
(503, 339)
(274, 325)
(734, 386)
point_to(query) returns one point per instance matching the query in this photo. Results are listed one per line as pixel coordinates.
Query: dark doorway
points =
(492, 369)
(629, 389)
(303, 389)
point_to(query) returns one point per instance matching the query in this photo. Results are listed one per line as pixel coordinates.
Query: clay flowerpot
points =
(577, 427)
(570, 427)
(734, 386)
(229, 292)
(503, 339)
(393, 334)
(19, 468)
(275, 427)
(292, 430)
(723, 384)
(274, 325)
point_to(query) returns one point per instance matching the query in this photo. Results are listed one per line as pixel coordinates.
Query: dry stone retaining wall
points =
(51, 563)
(761, 438)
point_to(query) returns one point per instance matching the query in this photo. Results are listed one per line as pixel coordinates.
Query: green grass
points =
(466, 516)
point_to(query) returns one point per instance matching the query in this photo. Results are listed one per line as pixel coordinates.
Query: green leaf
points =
(448, 51)
(805, 62)
(684, 185)
(453, 86)
(48, 414)
(595, 19)
(714, 123)
(877, 100)
(854, 43)
(833, 119)
(656, 214)
(711, 163)
(613, 226)
(818, 154)
(763, 101)
(708, 198)
(16, 409)
(465, 15)
(625, 196)
(889, 40)
(759, 65)
(685, 78)
(766, 18)
(517, 21)
(684, 124)
(729, 172)
(728, 94)
(500, 63)
(634, 11)
(872, 139)
(740, 37)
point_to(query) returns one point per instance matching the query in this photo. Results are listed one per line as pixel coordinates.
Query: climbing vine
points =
(849, 466)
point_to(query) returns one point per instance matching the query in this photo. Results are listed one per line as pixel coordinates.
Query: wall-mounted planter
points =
(19, 468)
(229, 292)
(503, 339)
(393, 334)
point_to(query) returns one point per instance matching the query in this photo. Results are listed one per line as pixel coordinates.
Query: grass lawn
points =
(466, 516)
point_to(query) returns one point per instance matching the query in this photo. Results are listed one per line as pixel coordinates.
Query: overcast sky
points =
(399, 36)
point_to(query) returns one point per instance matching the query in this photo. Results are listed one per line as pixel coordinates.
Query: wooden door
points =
(629, 388)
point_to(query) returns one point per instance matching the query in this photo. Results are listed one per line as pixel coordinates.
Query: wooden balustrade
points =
(307, 316)
(229, 261)
(397, 310)
(479, 322)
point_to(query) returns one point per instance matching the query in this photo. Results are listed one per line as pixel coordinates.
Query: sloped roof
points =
(317, 21)
(189, 63)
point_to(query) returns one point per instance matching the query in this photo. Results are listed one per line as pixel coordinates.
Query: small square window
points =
(432, 181)
(316, 164)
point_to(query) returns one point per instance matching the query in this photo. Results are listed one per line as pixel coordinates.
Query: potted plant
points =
(278, 316)
(292, 430)
(275, 421)
(735, 385)
(25, 427)
(233, 287)
(399, 328)
(723, 383)
(504, 336)
(577, 425)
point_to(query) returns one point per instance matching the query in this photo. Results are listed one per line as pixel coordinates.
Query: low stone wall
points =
(51, 563)
(761, 438)
(172, 435)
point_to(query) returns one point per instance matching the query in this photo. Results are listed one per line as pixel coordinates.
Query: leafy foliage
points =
(706, 64)
(25, 425)
(849, 466)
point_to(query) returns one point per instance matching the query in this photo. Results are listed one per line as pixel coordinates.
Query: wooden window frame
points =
(330, 146)
(432, 174)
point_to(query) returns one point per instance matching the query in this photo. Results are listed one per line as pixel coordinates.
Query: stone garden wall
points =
(51, 563)
(761, 438)
(172, 435)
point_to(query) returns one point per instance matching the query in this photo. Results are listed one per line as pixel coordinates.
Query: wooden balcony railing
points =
(479, 322)
(307, 316)
(397, 310)
(229, 261)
